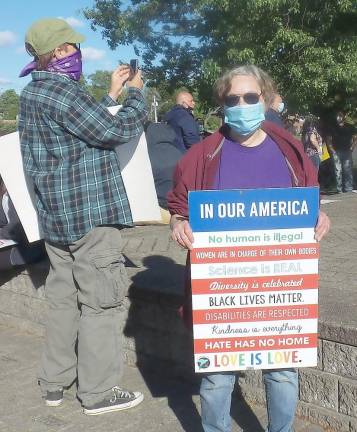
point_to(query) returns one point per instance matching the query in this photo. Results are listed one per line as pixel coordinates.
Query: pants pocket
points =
(112, 280)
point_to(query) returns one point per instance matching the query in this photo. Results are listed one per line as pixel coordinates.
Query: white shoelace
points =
(119, 393)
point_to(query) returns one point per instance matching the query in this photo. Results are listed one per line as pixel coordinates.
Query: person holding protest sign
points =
(67, 142)
(246, 153)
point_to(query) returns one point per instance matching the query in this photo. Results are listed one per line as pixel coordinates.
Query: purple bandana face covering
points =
(70, 66)
(28, 69)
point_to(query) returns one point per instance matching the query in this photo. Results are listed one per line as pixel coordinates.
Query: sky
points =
(16, 16)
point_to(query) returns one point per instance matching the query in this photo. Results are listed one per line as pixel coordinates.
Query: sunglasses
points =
(249, 98)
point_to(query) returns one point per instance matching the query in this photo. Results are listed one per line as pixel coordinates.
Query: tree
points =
(98, 83)
(9, 105)
(308, 46)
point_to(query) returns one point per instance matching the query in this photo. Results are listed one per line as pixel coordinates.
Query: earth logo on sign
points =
(203, 363)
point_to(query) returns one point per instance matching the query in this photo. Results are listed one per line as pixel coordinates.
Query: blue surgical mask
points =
(244, 119)
(281, 107)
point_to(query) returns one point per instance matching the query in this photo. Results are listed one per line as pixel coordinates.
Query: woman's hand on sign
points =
(323, 226)
(181, 231)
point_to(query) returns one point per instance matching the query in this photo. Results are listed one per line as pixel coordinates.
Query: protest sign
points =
(138, 178)
(6, 243)
(19, 186)
(254, 270)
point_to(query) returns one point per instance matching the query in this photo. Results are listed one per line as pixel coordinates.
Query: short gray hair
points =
(265, 82)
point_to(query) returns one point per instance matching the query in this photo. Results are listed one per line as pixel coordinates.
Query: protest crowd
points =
(70, 144)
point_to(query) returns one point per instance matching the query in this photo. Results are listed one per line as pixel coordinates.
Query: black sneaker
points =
(54, 398)
(121, 400)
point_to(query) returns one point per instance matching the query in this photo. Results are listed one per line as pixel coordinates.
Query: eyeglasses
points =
(249, 98)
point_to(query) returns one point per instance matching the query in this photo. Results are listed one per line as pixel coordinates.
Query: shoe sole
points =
(53, 403)
(122, 407)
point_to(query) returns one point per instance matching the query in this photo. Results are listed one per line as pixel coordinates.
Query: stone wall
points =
(328, 393)
(156, 339)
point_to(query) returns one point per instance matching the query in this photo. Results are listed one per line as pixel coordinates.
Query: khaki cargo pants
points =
(85, 289)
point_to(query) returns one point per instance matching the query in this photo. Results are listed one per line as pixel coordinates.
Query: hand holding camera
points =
(125, 74)
(135, 79)
(119, 77)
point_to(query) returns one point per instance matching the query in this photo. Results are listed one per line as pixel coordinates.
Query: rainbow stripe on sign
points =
(254, 270)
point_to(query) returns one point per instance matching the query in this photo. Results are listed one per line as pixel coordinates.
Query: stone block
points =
(23, 284)
(22, 324)
(181, 350)
(353, 426)
(329, 420)
(340, 359)
(130, 357)
(345, 334)
(347, 397)
(153, 316)
(250, 387)
(23, 306)
(251, 378)
(318, 388)
(319, 355)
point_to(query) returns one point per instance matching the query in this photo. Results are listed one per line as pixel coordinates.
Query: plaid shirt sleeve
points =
(92, 123)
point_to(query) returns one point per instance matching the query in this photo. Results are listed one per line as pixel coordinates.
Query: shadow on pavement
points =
(164, 346)
(153, 316)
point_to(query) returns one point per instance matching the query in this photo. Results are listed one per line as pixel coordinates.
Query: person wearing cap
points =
(68, 143)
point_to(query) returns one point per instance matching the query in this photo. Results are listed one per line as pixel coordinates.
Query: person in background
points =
(20, 252)
(181, 119)
(164, 155)
(246, 152)
(341, 141)
(68, 143)
(275, 109)
(312, 140)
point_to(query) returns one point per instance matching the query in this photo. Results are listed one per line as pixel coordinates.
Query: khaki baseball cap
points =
(47, 34)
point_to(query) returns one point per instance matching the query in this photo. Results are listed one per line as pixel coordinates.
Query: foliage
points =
(9, 105)
(308, 46)
(7, 126)
(98, 83)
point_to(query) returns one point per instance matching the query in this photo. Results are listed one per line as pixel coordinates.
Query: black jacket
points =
(164, 155)
(184, 125)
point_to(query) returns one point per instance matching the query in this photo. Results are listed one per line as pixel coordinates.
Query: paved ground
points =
(338, 270)
(169, 406)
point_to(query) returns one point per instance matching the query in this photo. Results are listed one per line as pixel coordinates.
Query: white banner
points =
(19, 186)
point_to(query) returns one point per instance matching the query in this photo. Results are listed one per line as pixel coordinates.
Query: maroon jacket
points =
(197, 169)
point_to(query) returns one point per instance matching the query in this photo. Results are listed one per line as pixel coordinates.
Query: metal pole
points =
(155, 110)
